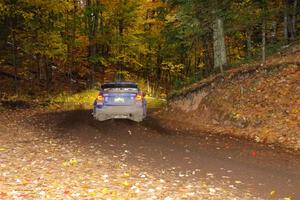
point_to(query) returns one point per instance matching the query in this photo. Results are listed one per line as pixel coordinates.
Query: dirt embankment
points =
(255, 102)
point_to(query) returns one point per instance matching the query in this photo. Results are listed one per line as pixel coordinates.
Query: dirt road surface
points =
(69, 155)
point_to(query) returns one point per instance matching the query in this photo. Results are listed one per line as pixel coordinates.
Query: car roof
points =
(120, 83)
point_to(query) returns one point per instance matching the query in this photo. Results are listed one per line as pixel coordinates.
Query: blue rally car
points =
(120, 100)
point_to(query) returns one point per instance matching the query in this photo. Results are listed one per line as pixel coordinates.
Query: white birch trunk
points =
(220, 58)
(274, 31)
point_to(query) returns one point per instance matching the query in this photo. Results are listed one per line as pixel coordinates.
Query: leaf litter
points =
(35, 165)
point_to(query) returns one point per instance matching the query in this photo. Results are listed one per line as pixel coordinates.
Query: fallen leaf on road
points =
(42, 193)
(126, 174)
(92, 193)
(272, 194)
(112, 194)
(23, 195)
(73, 162)
(257, 139)
(125, 184)
(67, 192)
(212, 190)
(143, 176)
(104, 191)
(3, 194)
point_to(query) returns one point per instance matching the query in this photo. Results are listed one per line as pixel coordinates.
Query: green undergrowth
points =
(155, 102)
(64, 100)
(86, 98)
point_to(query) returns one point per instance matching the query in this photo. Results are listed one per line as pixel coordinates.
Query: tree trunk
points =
(38, 69)
(208, 57)
(72, 46)
(285, 21)
(93, 21)
(264, 39)
(148, 86)
(159, 61)
(249, 44)
(68, 47)
(294, 18)
(47, 74)
(220, 59)
(289, 24)
(104, 51)
(121, 47)
(14, 59)
(274, 32)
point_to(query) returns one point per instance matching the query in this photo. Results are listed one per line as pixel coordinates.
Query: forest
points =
(212, 109)
(50, 45)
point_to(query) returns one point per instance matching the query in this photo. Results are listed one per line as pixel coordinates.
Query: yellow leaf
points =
(92, 194)
(126, 174)
(104, 191)
(272, 193)
(73, 161)
(287, 198)
(112, 194)
(126, 184)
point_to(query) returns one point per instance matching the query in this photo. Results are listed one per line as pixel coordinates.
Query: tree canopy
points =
(163, 43)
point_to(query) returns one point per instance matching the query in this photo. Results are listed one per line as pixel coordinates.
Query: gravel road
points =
(69, 155)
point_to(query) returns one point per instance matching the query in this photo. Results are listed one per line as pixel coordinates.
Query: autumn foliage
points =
(48, 45)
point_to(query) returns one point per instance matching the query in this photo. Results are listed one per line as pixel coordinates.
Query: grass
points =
(155, 102)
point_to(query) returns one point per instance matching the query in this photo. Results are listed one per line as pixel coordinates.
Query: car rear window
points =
(126, 87)
(107, 86)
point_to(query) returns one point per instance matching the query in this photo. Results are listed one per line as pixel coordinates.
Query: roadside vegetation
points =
(254, 102)
(86, 98)
(67, 101)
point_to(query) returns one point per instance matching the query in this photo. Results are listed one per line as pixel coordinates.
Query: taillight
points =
(139, 97)
(100, 97)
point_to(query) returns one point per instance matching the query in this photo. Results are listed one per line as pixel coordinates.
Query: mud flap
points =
(137, 118)
(99, 117)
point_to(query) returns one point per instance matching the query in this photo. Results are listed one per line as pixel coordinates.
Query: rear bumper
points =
(134, 112)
